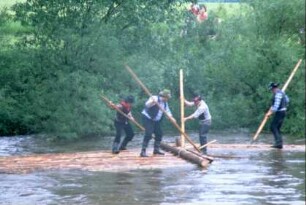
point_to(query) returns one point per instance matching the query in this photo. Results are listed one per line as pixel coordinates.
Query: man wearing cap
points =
(152, 116)
(122, 123)
(279, 106)
(202, 113)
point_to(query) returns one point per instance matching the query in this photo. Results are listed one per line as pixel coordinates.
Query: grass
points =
(230, 8)
(8, 3)
(9, 28)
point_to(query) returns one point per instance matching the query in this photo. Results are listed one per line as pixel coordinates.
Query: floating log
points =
(250, 147)
(190, 156)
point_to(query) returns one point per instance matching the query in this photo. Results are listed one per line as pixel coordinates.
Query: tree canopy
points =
(63, 54)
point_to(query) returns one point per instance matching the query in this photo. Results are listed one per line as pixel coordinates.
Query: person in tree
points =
(202, 15)
(279, 106)
(203, 115)
(122, 123)
(195, 9)
(199, 11)
(152, 116)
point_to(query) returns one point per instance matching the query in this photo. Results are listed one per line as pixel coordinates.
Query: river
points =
(249, 177)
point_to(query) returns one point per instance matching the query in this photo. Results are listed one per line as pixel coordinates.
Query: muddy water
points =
(249, 177)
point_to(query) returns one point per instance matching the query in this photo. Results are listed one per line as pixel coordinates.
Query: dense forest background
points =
(57, 56)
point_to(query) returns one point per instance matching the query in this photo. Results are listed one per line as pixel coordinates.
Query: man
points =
(122, 123)
(202, 113)
(279, 106)
(152, 117)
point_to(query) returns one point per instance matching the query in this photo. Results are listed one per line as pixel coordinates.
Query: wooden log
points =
(202, 161)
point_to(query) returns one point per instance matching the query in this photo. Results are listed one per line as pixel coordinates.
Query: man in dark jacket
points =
(279, 106)
(122, 123)
(152, 116)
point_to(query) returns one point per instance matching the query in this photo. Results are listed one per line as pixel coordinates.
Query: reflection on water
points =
(256, 177)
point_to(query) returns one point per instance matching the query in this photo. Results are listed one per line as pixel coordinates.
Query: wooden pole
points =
(182, 99)
(213, 141)
(109, 103)
(291, 75)
(262, 124)
(162, 109)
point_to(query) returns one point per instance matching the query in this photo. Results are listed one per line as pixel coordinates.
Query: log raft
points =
(128, 160)
(102, 160)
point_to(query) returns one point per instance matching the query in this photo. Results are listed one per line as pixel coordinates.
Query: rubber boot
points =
(204, 151)
(123, 144)
(203, 141)
(144, 147)
(115, 149)
(157, 148)
(143, 153)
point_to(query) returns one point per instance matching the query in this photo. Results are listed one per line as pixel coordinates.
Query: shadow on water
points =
(256, 177)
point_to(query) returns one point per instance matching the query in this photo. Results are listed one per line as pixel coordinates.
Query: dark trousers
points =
(152, 127)
(127, 128)
(276, 125)
(203, 130)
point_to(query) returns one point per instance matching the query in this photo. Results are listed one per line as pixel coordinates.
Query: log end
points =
(205, 163)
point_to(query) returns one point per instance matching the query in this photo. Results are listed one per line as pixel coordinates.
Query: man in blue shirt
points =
(279, 106)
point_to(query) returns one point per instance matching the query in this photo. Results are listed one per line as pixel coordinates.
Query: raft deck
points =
(90, 161)
(127, 160)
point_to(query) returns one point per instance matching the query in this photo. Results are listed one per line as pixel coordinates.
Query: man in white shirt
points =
(202, 113)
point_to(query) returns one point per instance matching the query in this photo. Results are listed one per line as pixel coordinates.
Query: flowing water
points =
(249, 177)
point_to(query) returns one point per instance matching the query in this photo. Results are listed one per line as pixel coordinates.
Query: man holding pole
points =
(262, 124)
(279, 106)
(202, 113)
(152, 116)
(121, 123)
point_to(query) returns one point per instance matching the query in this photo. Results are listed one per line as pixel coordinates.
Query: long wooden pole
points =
(162, 109)
(107, 101)
(213, 141)
(264, 121)
(182, 99)
(291, 75)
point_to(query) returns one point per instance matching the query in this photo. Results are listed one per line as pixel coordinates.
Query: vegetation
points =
(57, 56)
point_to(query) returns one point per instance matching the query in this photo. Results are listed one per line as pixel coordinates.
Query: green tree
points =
(69, 51)
(77, 50)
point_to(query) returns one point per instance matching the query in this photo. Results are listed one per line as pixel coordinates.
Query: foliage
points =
(62, 54)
